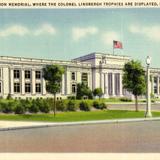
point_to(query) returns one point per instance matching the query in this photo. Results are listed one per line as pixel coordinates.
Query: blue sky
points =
(68, 33)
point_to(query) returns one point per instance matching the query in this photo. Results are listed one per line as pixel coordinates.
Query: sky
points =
(64, 34)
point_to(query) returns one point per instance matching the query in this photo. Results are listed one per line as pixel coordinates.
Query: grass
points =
(77, 116)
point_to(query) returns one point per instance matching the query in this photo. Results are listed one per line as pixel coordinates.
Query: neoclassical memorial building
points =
(22, 77)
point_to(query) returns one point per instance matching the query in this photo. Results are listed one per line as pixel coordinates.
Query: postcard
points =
(79, 79)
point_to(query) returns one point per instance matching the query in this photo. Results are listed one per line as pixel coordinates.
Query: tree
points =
(98, 92)
(53, 76)
(83, 90)
(134, 79)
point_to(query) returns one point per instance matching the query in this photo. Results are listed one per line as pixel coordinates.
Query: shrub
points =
(9, 96)
(8, 107)
(71, 97)
(103, 105)
(99, 105)
(50, 102)
(61, 105)
(153, 101)
(125, 99)
(96, 104)
(44, 106)
(19, 109)
(71, 105)
(34, 108)
(84, 106)
(26, 104)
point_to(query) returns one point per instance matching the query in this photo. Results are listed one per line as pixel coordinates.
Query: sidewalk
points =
(15, 125)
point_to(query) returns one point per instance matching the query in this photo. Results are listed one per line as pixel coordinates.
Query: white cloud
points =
(14, 30)
(45, 29)
(19, 30)
(109, 36)
(79, 33)
(151, 32)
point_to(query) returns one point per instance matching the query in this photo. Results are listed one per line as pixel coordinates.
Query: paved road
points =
(154, 106)
(123, 137)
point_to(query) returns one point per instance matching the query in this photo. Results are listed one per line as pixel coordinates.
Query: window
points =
(17, 87)
(73, 88)
(155, 79)
(155, 89)
(27, 74)
(0, 87)
(0, 72)
(73, 76)
(38, 88)
(38, 74)
(85, 78)
(16, 73)
(27, 87)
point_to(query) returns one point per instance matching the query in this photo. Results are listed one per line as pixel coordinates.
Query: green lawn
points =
(77, 116)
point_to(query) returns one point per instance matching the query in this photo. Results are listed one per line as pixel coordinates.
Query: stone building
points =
(22, 77)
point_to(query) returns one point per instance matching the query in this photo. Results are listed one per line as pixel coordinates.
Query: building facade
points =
(23, 77)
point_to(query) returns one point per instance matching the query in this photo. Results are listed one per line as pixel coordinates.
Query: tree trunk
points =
(54, 106)
(136, 102)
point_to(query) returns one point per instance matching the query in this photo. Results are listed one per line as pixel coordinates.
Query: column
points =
(106, 84)
(78, 77)
(113, 84)
(120, 85)
(11, 82)
(22, 82)
(152, 84)
(67, 82)
(43, 86)
(158, 85)
(63, 85)
(33, 82)
(90, 81)
(102, 81)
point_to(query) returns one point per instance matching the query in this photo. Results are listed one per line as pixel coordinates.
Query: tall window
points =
(0, 87)
(155, 89)
(110, 83)
(38, 88)
(16, 73)
(27, 87)
(73, 76)
(17, 87)
(84, 78)
(155, 79)
(73, 88)
(38, 74)
(27, 74)
(117, 83)
(0, 72)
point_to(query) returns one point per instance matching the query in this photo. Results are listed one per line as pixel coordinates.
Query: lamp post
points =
(148, 96)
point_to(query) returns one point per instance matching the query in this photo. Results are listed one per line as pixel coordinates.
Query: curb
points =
(81, 123)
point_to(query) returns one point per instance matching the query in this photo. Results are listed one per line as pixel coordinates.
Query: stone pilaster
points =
(158, 85)
(33, 82)
(106, 84)
(11, 82)
(22, 82)
(113, 84)
(120, 85)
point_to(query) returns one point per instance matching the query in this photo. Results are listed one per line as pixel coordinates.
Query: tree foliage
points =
(53, 76)
(134, 79)
(98, 92)
(83, 90)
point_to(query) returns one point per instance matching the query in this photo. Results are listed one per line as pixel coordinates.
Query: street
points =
(127, 137)
(131, 106)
